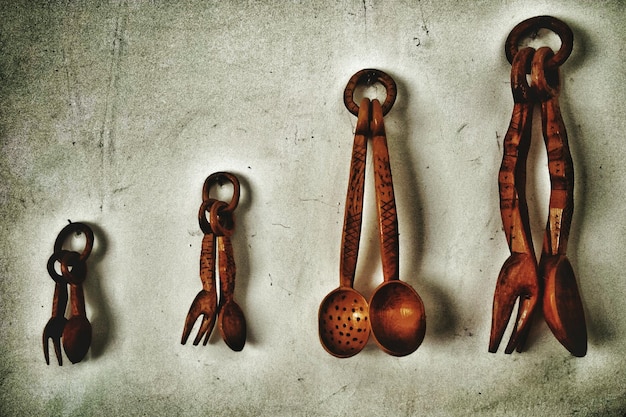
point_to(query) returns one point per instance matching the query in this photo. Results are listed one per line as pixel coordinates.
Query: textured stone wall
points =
(113, 113)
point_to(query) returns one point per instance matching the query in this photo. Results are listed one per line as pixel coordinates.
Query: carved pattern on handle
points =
(227, 268)
(560, 164)
(354, 210)
(561, 169)
(354, 200)
(207, 262)
(512, 180)
(512, 175)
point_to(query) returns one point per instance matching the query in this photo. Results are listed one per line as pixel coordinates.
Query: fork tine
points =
(204, 326)
(56, 342)
(190, 320)
(517, 279)
(523, 333)
(503, 305)
(209, 329)
(522, 324)
(46, 353)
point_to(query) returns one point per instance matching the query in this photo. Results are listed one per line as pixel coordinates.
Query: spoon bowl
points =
(76, 338)
(562, 306)
(397, 317)
(232, 325)
(344, 326)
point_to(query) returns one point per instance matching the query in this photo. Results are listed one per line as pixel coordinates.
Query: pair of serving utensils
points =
(395, 313)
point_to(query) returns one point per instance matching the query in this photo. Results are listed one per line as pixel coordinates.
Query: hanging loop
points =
(370, 77)
(525, 28)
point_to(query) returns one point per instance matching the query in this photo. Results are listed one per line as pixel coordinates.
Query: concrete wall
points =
(114, 113)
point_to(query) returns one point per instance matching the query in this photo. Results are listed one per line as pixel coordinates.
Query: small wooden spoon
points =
(231, 320)
(77, 331)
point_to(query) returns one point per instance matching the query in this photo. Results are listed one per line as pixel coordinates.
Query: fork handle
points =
(512, 175)
(59, 301)
(207, 262)
(512, 180)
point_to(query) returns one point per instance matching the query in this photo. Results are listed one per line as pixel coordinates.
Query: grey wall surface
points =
(114, 113)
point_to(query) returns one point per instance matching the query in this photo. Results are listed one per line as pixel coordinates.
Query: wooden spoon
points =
(562, 306)
(77, 330)
(397, 312)
(343, 321)
(231, 320)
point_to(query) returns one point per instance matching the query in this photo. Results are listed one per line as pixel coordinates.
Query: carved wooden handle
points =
(77, 300)
(512, 180)
(354, 199)
(227, 268)
(59, 302)
(512, 175)
(561, 169)
(387, 214)
(207, 262)
(560, 164)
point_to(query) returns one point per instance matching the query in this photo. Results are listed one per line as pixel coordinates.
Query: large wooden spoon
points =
(562, 306)
(397, 312)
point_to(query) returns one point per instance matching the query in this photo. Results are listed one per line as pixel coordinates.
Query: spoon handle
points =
(77, 300)
(560, 164)
(561, 178)
(354, 199)
(227, 269)
(387, 214)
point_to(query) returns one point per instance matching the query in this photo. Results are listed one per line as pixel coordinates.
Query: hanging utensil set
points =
(75, 332)
(394, 314)
(550, 282)
(220, 226)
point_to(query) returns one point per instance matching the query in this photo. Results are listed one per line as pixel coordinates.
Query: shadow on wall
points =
(103, 323)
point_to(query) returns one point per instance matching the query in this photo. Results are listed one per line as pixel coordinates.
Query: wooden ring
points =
(68, 230)
(541, 22)
(205, 208)
(78, 274)
(369, 77)
(56, 256)
(522, 64)
(222, 220)
(546, 81)
(217, 178)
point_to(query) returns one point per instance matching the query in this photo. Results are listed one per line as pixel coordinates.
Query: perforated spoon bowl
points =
(343, 316)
